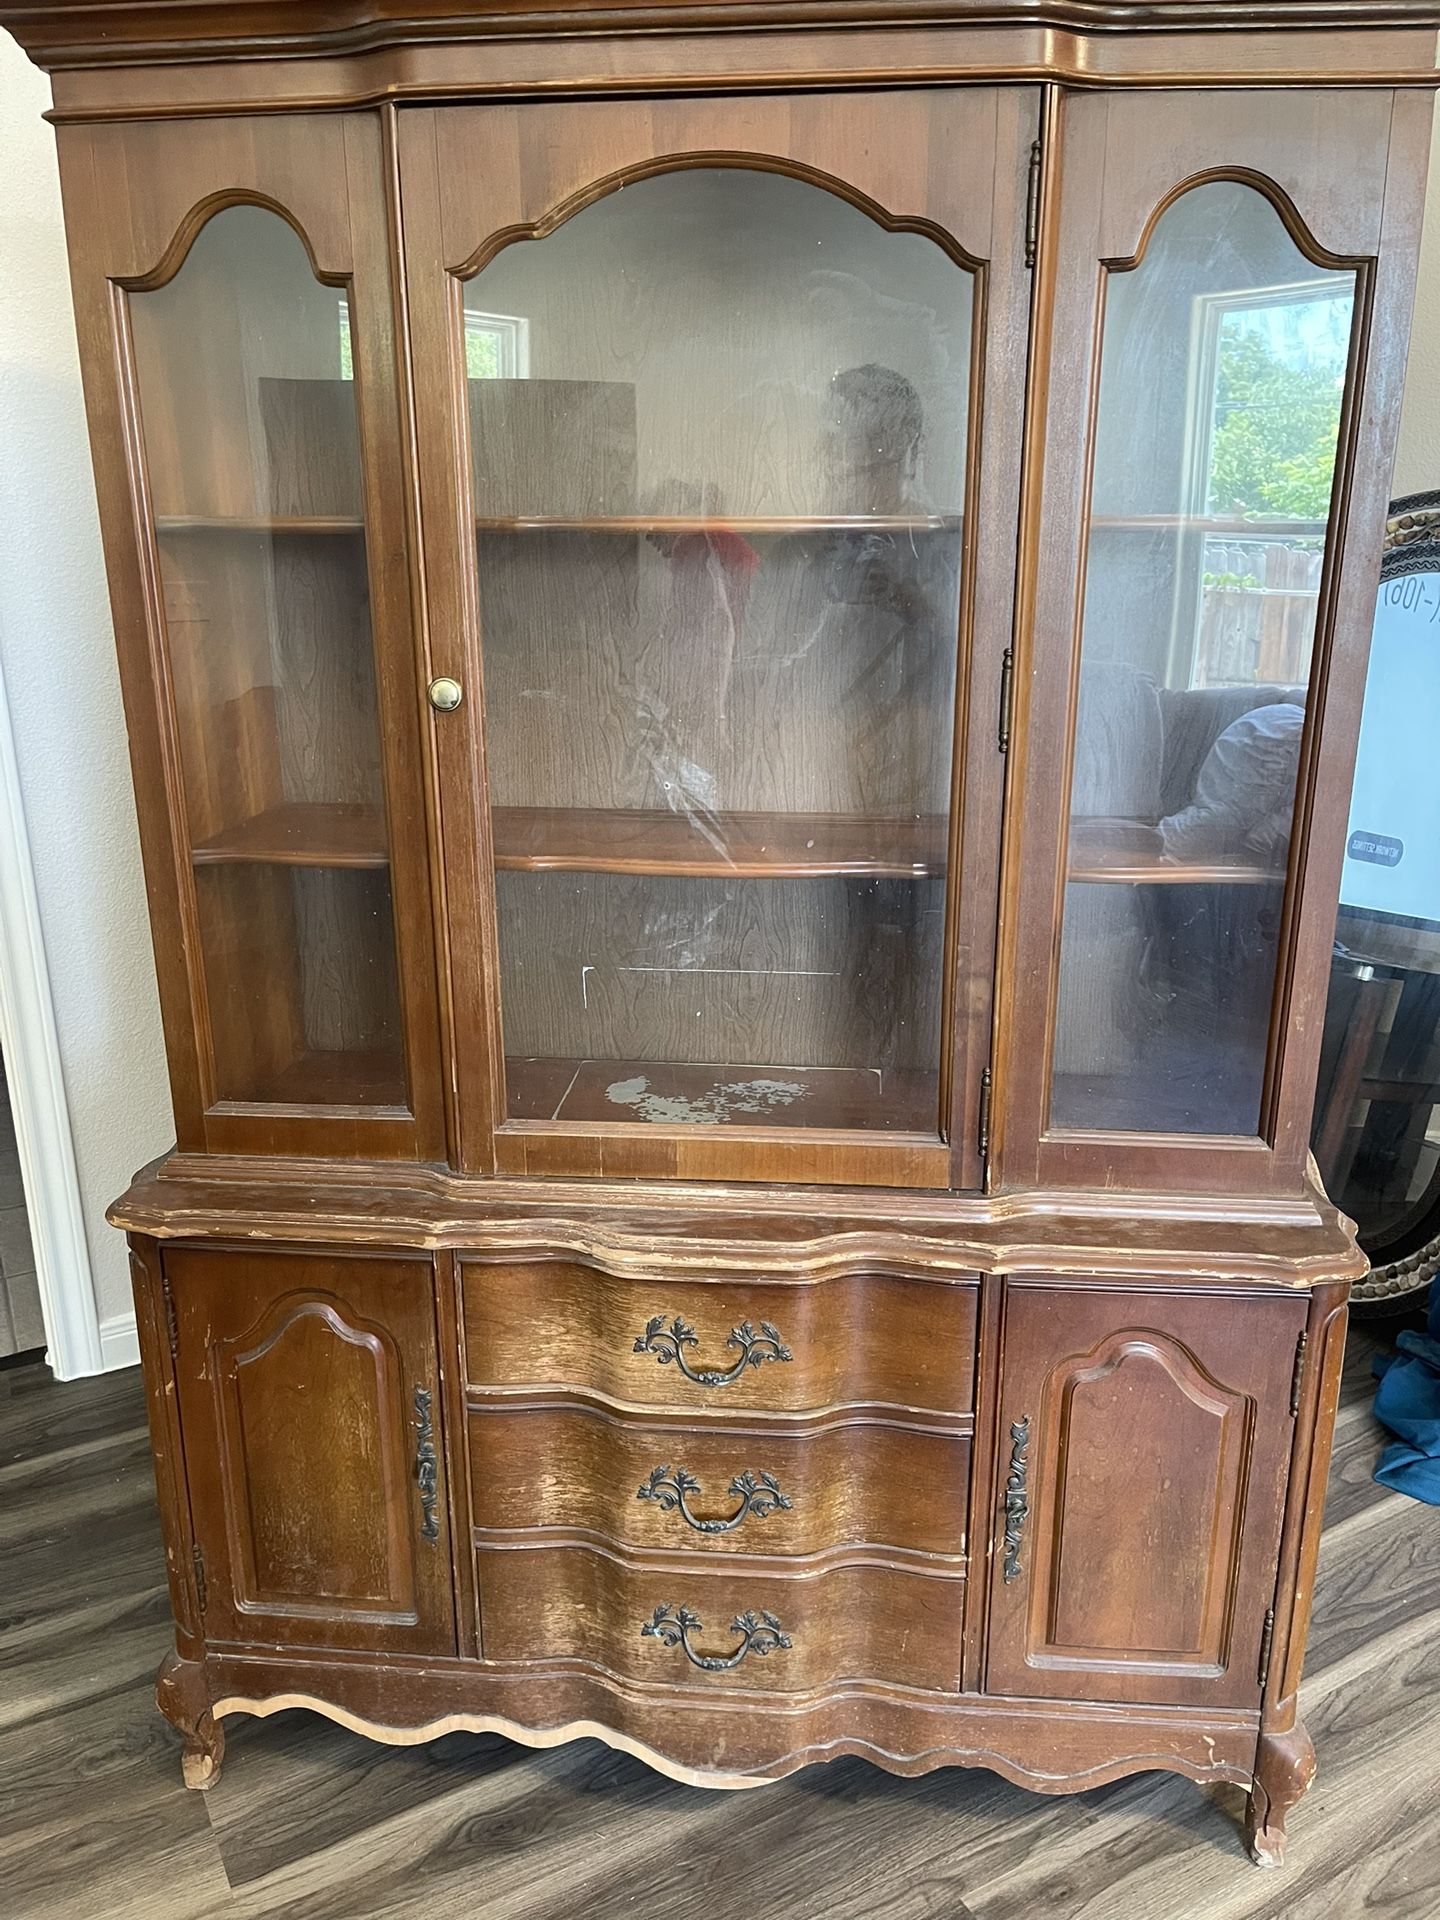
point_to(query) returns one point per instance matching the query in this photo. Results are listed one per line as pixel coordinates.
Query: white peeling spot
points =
(626, 1093)
(722, 1103)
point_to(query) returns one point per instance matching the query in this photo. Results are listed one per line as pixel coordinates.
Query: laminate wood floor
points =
(310, 1822)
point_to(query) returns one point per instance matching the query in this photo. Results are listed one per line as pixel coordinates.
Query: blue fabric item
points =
(1407, 1401)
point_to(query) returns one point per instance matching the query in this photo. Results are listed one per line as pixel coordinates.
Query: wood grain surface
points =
(309, 1819)
(864, 1338)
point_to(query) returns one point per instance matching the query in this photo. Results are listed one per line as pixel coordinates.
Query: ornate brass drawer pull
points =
(427, 1467)
(1017, 1504)
(760, 1633)
(669, 1343)
(758, 1493)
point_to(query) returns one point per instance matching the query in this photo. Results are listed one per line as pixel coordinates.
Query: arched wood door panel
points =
(309, 1401)
(719, 412)
(1141, 1485)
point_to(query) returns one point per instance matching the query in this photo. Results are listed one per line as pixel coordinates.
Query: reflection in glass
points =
(718, 432)
(1222, 380)
(248, 413)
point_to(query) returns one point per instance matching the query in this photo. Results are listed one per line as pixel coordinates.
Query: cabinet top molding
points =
(1062, 39)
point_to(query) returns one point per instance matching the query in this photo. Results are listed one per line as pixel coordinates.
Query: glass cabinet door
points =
(247, 403)
(1222, 380)
(719, 502)
(721, 446)
(250, 388)
(1213, 446)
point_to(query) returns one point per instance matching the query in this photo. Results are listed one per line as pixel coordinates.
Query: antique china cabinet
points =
(743, 628)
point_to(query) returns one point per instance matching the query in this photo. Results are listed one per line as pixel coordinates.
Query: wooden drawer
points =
(828, 1484)
(627, 1617)
(778, 1345)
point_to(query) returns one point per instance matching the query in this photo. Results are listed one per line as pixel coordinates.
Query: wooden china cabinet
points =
(743, 630)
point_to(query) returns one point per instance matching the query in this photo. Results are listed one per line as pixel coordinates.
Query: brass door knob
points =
(446, 695)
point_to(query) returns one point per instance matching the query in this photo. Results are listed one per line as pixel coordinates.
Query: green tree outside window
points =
(1277, 412)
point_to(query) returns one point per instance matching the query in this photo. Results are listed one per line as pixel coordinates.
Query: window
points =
(497, 345)
(1267, 379)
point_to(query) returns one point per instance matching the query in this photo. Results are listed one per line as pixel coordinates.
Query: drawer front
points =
(737, 1488)
(722, 1345)
(719, 1630)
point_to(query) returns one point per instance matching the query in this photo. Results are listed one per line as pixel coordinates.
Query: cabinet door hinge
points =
(1298, 1376)
(202, 1589)
(1032, 206)
(1007, 695)
(982, 1127)
(1267, 1636)
(172, 1324)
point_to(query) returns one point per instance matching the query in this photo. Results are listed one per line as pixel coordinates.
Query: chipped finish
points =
(1284, 1770)
(716, 1108)
(617, 1230)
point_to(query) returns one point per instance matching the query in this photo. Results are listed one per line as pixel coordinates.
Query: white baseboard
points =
(119, 1342)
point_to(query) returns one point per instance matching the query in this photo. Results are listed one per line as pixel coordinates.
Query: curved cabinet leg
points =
(1284, 1768)
(181, 1696)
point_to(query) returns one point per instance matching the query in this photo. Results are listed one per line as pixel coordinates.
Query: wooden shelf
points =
(301, 834)
(748, 845)
(669, 1093)
(1129, 853)
(1213, 1094)
(639, 841)
(257, 523)
(1169, 873)
(1230, 526)
(372, 1078)
(757, 524)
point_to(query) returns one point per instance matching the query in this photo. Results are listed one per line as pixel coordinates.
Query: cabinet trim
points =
(1014, 1738)
(1066, 1237)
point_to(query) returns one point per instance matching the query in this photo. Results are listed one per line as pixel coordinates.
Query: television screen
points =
(1392, 854)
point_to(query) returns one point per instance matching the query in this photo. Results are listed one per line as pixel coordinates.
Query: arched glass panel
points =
(248, 415)
(1221, 387)
(719, 430)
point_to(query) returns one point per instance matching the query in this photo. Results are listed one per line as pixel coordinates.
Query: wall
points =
(1417, 457)
(58, 656)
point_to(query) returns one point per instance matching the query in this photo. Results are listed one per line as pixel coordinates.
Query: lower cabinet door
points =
(310, 1411)
(1144, 1448)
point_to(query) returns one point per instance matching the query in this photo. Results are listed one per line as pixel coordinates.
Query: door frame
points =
(76, 1342)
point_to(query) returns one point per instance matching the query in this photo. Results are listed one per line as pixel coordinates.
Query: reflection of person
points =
(874, 425)
(1244, 793)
